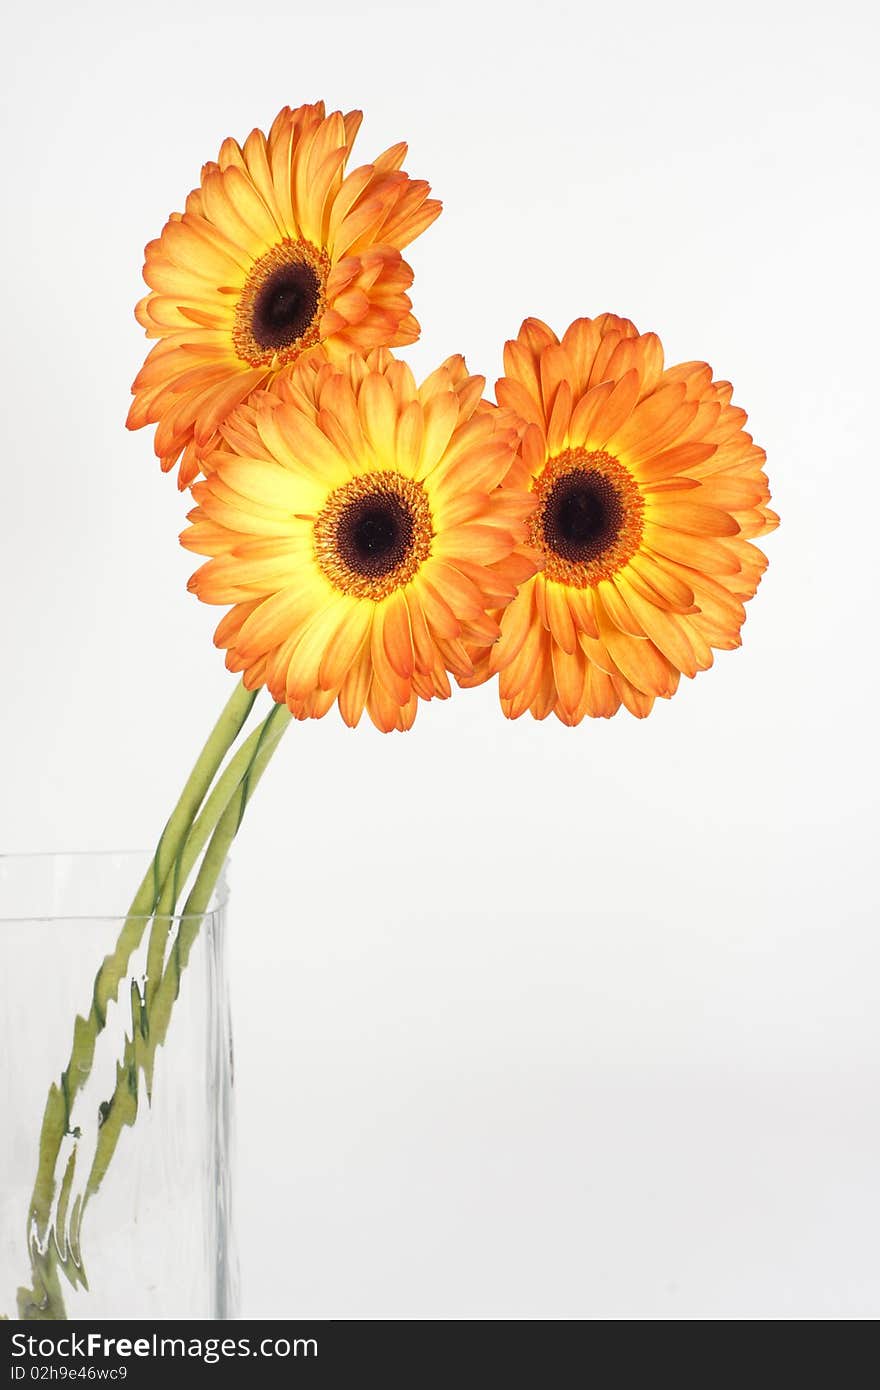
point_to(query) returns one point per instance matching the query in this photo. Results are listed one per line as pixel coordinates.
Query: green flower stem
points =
(44, 1300)
(150, 1021)
(257, 750)
(200, 832)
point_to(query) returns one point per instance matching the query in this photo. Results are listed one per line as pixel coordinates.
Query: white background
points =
(530, 1022)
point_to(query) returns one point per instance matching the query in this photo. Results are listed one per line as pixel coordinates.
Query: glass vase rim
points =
(219, 897)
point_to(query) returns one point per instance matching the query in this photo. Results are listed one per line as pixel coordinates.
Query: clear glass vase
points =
(146, 1232)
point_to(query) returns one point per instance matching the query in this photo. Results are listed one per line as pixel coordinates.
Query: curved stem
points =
(200, 832)
(250, 760)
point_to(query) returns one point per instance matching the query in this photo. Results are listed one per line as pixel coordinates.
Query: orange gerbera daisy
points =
(278, 250)
(648, 492)
(357, 526)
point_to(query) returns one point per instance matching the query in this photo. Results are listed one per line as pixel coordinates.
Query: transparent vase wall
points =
(155, 1240)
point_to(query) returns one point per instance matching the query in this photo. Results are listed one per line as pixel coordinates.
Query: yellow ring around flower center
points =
(279, 311)
(589, 518)
(373, 533)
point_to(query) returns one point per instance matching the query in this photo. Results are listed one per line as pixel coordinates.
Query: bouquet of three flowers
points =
(584, 539)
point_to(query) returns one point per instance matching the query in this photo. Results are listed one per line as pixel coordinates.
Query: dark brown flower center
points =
(582, 515)
(373, 533)
(285, 305)
(279, 311)
(588, 521)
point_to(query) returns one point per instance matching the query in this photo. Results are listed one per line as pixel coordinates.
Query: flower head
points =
(277, 251)
(359, 527)
(648, 494)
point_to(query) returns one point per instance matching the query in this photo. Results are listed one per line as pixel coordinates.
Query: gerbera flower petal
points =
(356, 686)
(585, 412)
(616, 409)
(397, 634)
